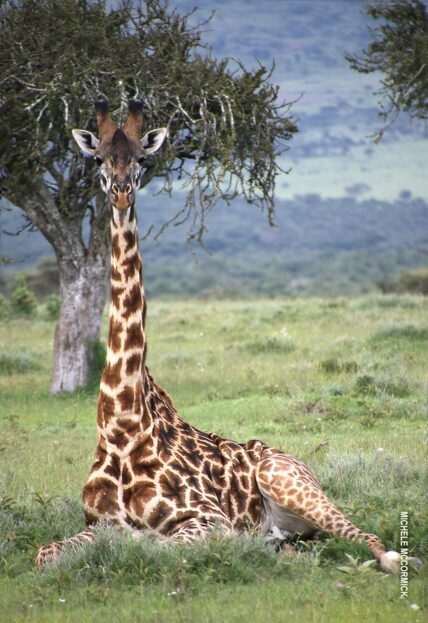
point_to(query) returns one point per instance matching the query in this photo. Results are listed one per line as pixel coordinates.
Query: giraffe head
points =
(120, 152)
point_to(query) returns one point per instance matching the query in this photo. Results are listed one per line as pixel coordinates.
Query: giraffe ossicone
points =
(153, 470)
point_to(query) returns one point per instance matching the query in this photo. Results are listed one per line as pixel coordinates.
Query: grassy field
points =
(340, 383)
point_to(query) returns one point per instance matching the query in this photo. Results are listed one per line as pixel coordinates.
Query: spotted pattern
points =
(154, 471)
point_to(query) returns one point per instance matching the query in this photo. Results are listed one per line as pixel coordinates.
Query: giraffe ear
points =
(152, 141)
(87, 141)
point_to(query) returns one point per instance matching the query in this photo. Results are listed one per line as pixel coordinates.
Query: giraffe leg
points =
(49, 554)
(196, 528)
(295, 504)
(188, 531)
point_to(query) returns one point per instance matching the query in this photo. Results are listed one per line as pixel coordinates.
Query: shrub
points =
(97, 362)
(368, 385)
(17, 363)
(271, 345)
(387, 285)
(415, 281)
(23, 301)
(53, 306)
(412, 281)
(334, 366)
(405, 332)
(5, 308)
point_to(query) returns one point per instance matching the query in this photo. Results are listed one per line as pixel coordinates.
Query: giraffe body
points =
(153, 471)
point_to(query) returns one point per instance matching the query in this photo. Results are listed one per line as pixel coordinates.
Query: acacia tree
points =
(226, 131)
(399, 49)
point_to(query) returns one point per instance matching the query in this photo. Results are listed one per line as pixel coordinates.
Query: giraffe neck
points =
(127, 315)
(124, 382)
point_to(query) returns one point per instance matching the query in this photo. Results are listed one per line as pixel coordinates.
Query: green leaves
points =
(398, 49)
(356, 568)
(225, 125)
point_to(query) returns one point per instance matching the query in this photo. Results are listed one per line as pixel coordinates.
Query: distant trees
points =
(413, 281)
(226, 131)
(399, 50)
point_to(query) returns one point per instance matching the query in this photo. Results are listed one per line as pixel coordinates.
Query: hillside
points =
(320, 246)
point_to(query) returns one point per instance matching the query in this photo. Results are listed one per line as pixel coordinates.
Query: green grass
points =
(17, 363)
(340, 383)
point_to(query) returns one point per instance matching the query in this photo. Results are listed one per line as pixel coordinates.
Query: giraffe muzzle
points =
(122, 199)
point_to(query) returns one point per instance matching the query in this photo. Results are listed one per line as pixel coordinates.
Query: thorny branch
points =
(227, 129)
(399, 50)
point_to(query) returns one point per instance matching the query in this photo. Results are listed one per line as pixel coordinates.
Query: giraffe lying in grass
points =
(153, 471)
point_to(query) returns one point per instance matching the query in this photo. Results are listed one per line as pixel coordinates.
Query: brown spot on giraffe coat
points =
(134, 336)
(126, 399)
(131, 266)
(132, 301)
(115, 294)
(112, 373)
(133, 364)
(114, 336)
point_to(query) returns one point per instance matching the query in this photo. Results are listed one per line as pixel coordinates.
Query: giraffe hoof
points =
(390, 562)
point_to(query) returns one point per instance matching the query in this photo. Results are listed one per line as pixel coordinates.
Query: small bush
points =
(407, 332)
(387, 285)
(53, 306)
(271, 345)
(97, 360)
(17, 363)
(24, 526)
(415, 281)
(365, 384)
(334, 366)
(5, 308)
(23, 301)
(368, 385)
(398, 388)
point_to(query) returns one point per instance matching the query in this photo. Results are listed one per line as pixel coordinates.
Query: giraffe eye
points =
(103, 180)
(98, 160)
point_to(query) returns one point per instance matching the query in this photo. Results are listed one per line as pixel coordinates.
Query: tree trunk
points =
(83, 294)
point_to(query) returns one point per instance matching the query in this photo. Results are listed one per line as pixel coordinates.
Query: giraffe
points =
(153, 471)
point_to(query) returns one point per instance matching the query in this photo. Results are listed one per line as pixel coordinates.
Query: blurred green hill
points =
(320, 246)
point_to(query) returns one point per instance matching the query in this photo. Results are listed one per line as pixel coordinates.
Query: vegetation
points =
(23, 301)
(413, 281)
(346, 392)
(52, 306)
(325, 247)
(226, 132)
(399, 49)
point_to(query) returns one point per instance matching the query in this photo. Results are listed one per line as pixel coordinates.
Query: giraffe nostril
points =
(128, 189)
(115, 189)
